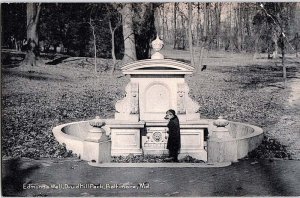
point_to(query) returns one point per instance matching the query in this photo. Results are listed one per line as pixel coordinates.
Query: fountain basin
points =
(243, 139)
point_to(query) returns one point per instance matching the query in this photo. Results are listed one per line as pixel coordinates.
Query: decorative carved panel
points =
(181, 99)
(156, 137)
(134, 100)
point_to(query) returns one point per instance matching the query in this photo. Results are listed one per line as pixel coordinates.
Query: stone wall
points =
(245, 139)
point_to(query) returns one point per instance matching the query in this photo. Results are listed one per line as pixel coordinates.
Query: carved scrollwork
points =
(181, 99)
(134, 99)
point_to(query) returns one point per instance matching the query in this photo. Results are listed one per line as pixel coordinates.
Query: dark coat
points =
(174, 134)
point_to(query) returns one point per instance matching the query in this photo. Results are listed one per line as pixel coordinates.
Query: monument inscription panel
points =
(157, 98)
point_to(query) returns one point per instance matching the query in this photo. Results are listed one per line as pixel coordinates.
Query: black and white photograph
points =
(150, 99)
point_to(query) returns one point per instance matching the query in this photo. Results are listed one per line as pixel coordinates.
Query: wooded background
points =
(125, 30)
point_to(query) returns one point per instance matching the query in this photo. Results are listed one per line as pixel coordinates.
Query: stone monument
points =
(156, 85)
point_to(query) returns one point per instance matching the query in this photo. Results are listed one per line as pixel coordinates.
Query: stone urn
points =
(95, 134)
(221, 131)
(157, 45)
(97, 145)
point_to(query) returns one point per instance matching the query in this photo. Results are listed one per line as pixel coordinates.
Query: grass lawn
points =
(34, 100)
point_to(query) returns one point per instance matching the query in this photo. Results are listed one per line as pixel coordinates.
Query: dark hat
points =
(171, 111)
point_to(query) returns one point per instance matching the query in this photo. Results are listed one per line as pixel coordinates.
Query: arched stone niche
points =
(157, 98)
(155, 86)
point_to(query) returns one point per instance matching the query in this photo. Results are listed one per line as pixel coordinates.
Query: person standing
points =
(173, 144)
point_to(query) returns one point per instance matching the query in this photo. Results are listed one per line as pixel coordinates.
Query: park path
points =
(294, 105)
(55, 178)
(294, 100)
(287, 130)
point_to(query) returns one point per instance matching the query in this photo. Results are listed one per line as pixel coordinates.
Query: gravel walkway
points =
(75, 178)
(294, 107)
(287, 130)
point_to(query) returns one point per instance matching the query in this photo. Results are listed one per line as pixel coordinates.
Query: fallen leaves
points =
(66, 92)
(150, 159)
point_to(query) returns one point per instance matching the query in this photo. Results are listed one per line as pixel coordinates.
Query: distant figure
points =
(12, 44)
(24, 45)
(173, 144)
(19, 45)
(296, 43)
(203, 67)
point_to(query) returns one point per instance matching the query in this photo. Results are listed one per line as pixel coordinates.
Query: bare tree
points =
(163, 21)
(128, 33)
(238, 27)
(114, 22)
(218, 8)
(33, 15)
(175, 25)
(92, 25)
(190, 16)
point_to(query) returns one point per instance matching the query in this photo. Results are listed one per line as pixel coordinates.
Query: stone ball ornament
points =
(97, 122)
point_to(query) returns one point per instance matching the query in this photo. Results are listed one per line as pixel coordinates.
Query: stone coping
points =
(185, 124)
(172, 67)
(256, 131)
(160, 165)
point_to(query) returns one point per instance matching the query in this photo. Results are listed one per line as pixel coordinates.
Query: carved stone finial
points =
(221, 122)
(157, 45)
(96, 133)
(221, 132)
(97, 122)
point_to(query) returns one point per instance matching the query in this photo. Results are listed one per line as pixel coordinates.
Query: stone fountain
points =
(156, 85)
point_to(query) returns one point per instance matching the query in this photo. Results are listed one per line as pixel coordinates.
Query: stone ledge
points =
(126, 124)
(160, 165)
(188, 124)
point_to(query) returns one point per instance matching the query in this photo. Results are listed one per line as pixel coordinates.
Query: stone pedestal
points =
(221, 146)
(156, 138)
(192, 139)
(221, 151)
(126, 138)
(97, 145)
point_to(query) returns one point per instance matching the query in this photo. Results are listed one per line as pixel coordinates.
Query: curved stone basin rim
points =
(72, 135)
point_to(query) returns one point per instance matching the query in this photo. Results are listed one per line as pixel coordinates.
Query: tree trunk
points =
(230, 27)
(274, 41)
(95, 45)
(284, 68)
(183, 32)
(190, 10)
(157, 23)
(145, 29)
(248, 26)
(205, 20)
(113, 54)
(167, 33)
(33, 13)
(198, 22)
(175, 23)
(128, 34)
(218, 23)
(256, 42)
(239, 28)
(163, 22)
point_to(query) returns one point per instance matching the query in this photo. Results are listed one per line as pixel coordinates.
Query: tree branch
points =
(37, 16)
